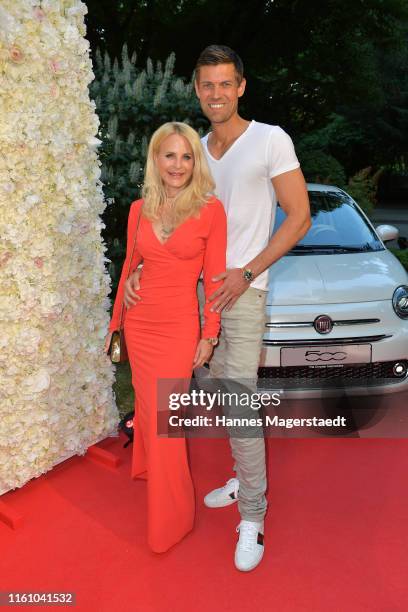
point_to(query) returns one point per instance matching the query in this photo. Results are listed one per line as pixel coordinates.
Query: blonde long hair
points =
(190, 200)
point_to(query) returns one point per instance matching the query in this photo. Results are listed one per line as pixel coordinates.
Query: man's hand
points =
(203, 353)
(233, 287)
(132, 284)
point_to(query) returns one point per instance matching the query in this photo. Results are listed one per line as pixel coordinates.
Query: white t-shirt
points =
(243, 184)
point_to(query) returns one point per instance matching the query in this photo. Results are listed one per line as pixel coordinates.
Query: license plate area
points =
(333, 355)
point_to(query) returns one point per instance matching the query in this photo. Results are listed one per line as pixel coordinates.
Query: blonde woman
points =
(182, 231)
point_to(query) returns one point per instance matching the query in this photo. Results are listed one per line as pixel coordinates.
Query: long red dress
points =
(162, 331)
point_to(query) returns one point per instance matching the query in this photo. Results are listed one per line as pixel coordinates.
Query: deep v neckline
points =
(231, 147)
(171, 235)
(156, 236)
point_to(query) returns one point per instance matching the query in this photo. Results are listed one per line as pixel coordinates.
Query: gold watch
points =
(212, 341)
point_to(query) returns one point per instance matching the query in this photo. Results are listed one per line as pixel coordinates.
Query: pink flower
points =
(16, 55)
(58, 65)
(83, 228)
(4, 258)
(39, 262)
(55, 65)
(54, 90)
(38, 13)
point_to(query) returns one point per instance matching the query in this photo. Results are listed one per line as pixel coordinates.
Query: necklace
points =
(166, 220)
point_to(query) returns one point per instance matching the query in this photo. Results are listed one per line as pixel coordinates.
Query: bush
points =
(363, 188)
(320, 167)
(319, 153)
(131, 104)
(402, 256)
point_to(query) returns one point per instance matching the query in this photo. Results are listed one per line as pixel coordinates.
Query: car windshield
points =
(337, 226)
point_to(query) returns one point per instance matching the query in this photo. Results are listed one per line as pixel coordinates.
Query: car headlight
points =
(400, 301)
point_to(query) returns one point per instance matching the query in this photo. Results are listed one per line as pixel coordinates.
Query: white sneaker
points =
(250, 548)
(224, 496)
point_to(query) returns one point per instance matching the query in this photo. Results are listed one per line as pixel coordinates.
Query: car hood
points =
(328, 279)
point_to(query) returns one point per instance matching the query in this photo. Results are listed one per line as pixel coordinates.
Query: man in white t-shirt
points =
(253, 165)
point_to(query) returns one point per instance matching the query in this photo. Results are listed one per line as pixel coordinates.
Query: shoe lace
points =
(248, 536)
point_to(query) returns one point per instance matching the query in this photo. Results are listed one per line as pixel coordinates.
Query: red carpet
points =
(336, 534)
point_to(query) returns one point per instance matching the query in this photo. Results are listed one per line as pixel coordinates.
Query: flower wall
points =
(55, 381)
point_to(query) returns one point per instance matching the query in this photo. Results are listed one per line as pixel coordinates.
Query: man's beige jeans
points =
(237, 356)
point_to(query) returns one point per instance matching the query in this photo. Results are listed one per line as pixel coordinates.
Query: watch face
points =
(248, 275)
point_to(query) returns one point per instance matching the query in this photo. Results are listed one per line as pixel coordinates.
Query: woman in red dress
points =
(181, 233)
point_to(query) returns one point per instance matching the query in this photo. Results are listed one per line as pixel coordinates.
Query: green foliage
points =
(338, 138)
(131, 104)
(320, 167)
(322, 151)
(363, 188)
(304, 61)
(337, 132)
(402, 255)
(123, 389)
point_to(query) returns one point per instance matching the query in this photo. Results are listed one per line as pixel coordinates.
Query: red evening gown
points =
(162, 331)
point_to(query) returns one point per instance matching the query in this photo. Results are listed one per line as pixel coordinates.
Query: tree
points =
(304, 60)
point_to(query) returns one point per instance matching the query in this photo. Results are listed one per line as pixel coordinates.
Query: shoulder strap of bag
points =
(130, 263)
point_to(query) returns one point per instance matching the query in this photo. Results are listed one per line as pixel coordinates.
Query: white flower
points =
(7, 23)
(79, 8)
(94, 142)
(27, 340)
(65, 227)
(36, 383)
(41, 246)
(55, 394)
(32, 199)
(51, 302)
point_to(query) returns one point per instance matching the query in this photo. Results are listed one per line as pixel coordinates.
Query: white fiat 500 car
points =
(337, 308)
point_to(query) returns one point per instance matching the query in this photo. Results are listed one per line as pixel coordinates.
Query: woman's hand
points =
(107, 342)
(203, 353)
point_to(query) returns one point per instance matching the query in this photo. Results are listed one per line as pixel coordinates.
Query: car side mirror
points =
(387, 232)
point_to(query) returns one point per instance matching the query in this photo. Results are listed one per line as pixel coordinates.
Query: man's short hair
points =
(220, 54)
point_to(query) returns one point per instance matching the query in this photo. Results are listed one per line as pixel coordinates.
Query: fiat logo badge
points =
(323, 324)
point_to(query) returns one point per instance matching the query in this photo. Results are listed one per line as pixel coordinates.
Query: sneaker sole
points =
(220, 505)
(248, 569)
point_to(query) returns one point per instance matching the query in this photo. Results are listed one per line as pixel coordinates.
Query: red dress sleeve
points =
(214, 264)
(133, 218)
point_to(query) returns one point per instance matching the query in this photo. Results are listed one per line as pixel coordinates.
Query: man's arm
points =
(291, 192)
